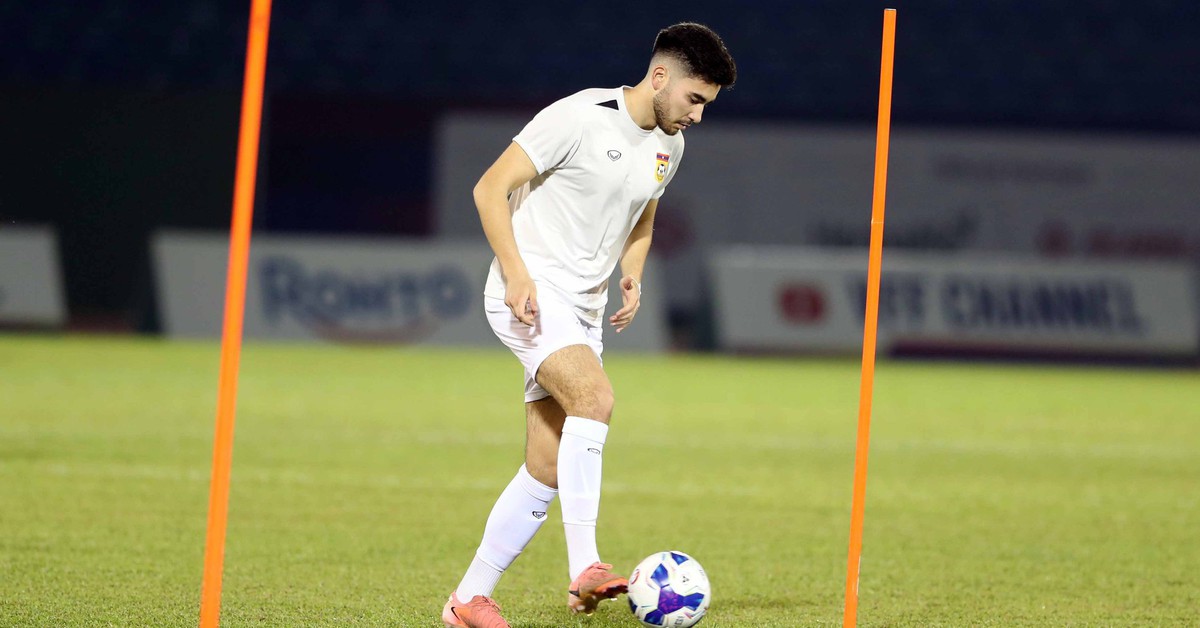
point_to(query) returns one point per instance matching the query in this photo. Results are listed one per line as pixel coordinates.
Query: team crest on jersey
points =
(661, 163)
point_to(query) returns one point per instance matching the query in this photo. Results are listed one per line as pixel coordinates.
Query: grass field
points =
(998, 495)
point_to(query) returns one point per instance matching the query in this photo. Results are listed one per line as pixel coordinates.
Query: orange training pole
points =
(235, 301)
(874, 270)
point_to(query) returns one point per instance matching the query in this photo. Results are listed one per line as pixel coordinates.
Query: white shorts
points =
(555, 327)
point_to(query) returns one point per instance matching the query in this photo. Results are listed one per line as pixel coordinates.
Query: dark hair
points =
(699, 50)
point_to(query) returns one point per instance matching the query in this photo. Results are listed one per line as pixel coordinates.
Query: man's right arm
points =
(510, 171)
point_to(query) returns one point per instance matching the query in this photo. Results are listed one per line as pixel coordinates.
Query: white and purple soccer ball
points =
(669, 589)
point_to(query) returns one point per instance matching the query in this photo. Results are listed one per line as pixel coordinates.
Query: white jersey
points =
(597, 170)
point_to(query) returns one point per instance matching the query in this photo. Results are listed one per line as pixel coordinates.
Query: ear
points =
(660, 75)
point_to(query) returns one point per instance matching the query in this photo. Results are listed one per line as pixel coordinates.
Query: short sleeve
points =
(552, 137)
(676, 159)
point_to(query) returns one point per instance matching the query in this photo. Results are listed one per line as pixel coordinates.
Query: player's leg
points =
(521, 508)
(543, 431)
(575, 378)
(515, 518)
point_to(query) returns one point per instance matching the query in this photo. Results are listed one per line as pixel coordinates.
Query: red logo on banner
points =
(801, 304)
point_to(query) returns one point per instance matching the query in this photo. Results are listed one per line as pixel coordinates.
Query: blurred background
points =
(1042, 195)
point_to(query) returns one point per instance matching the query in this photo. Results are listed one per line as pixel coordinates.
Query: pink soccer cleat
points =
(480, 612)
(596, 583)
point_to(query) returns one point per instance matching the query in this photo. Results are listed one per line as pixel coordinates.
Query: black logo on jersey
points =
(537, 514)
(614, 155)
(594, 450)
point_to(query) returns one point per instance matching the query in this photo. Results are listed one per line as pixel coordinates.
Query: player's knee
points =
(604, 403)
(596, 403)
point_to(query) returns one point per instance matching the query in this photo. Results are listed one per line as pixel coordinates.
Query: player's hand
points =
(521, 297)
(631, 294)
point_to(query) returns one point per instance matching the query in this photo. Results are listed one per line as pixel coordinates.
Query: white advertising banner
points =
(1040, 194)
(352, 290)
(31, 285)
(772, 299)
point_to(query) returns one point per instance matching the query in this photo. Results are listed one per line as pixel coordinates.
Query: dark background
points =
(120, 117)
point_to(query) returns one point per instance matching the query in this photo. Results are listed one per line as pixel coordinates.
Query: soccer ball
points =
(669, 589)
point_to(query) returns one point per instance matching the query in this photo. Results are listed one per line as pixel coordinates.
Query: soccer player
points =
(575, 193)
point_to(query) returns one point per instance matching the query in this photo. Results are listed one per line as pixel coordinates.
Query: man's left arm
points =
(633, 261)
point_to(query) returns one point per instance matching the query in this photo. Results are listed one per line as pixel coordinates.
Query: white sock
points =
(579, 466)
(518, 514)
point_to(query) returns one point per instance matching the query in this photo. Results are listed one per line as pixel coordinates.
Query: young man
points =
(574, 193)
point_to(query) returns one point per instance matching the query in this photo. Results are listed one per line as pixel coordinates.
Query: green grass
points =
(998, 495)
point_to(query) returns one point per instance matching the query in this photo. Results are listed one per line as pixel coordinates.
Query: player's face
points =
(681, 103)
